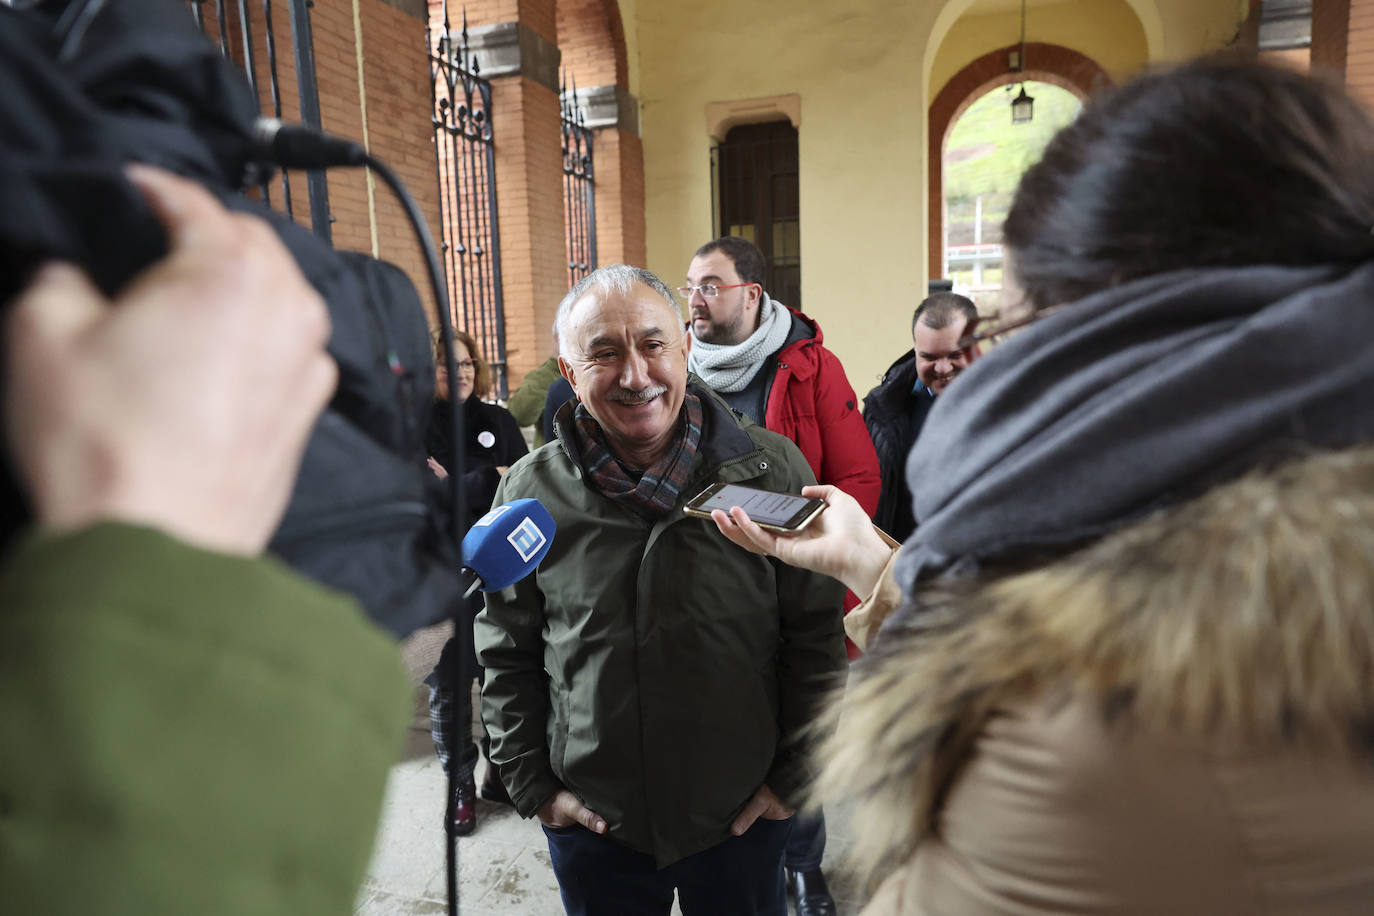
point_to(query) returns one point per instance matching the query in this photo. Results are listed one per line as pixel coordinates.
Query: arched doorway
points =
(1054, 64)
(984, 157)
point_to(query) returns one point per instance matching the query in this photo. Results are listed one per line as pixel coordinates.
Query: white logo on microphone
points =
(527, 539)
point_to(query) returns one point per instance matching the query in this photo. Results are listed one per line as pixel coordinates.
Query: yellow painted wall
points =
(1193, 27)
(864, 78)
(1105, 30)
(861, 145)
(629, 12)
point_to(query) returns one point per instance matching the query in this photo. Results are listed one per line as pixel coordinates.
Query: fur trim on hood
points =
(1243, 615)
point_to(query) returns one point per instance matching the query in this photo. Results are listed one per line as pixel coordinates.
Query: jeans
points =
(740, 876)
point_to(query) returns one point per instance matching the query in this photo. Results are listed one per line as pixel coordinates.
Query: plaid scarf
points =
(656, 492)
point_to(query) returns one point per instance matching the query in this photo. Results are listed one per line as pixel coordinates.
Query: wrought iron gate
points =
(579, 186)
(465, 165)
(242, 33)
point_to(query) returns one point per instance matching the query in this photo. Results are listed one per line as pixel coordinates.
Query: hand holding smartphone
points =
(844, 544)
(783, 513)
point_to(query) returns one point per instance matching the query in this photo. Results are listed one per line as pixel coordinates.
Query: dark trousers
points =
(741, 876)
(806, 845)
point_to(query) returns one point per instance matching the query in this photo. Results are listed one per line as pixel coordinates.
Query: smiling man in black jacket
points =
(896, 409)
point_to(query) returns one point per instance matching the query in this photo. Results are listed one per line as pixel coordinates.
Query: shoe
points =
(493, 790)
(464, 816)
(808, 889)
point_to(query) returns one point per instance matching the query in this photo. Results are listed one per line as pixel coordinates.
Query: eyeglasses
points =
(972, 338)
(707, 290)
(466, 365)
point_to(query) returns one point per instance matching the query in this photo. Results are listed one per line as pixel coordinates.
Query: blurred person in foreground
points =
(186, 726)
(493, 443)
(1131, 665)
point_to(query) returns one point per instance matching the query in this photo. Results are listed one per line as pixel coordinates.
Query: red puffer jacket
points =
(812, 403)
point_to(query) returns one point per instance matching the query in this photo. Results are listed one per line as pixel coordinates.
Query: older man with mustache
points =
(646, 691)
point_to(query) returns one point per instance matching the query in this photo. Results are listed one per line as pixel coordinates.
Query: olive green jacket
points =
(186, 732)
(656, 670)
(526, 403)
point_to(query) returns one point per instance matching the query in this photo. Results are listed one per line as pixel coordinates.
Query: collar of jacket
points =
(799, 357)
(727, 451)
(889, 396)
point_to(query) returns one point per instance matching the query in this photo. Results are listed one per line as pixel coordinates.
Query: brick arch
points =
(591, 38)
(1047, 63)
(591, 42)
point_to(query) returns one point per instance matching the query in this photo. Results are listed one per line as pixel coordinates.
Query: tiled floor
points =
(504, 866)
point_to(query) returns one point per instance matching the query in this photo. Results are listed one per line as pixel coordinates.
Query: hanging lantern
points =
(1022, 107)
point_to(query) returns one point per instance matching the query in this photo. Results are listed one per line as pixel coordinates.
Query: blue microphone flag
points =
(507, 543)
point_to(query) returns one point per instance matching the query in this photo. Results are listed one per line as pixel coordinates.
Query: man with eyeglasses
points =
(896, 409)
(767, 361)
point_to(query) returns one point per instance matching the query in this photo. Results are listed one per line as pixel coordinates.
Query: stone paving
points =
(504, 866)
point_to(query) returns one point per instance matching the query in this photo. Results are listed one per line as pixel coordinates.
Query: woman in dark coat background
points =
(492, 443)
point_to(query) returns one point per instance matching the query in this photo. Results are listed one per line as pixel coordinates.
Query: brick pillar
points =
(521, 59)
(618, 157)
(396, 87)
(389, 37)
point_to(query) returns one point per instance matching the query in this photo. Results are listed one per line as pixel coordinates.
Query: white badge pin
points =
(486, 439)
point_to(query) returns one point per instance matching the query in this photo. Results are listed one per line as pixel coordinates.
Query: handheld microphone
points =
(505, 545)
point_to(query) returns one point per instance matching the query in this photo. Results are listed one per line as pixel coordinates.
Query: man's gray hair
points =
(613, 278)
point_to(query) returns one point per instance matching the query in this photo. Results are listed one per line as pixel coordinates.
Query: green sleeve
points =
(186, 732)
(526, 403)
(508, 635)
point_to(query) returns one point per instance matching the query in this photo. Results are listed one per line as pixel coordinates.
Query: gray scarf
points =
(1133, 399)
(730, 367)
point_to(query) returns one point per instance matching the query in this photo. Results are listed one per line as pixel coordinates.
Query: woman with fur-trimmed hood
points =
(1131, 666)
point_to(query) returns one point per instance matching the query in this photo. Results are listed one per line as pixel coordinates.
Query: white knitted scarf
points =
(730, 367)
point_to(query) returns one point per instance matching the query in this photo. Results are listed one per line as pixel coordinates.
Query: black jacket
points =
(493, 440)
(894, 417)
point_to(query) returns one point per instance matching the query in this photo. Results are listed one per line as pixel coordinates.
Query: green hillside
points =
(986, 154)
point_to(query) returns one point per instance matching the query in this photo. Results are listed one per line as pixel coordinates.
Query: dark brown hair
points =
(481, 379)
(1223, 161)
(937, 310)
(744, 254)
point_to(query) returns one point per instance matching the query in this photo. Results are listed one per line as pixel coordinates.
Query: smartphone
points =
(780, 512)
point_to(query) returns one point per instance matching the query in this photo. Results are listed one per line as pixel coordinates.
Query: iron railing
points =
(465, 167)
(579, 186)
(248, 35)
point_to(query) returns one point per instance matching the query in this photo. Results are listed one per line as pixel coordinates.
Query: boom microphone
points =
(505, 545)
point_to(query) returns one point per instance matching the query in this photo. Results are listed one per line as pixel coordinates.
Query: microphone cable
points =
(293, 146)
(462, 627)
